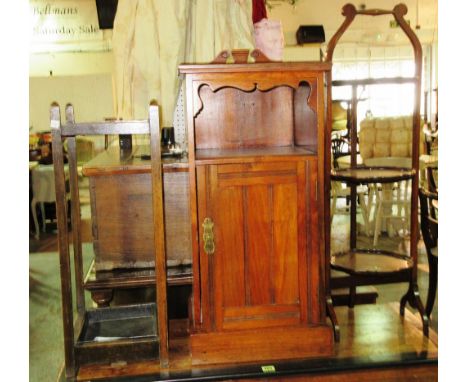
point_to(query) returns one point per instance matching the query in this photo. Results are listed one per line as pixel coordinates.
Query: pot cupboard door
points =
(254, 243)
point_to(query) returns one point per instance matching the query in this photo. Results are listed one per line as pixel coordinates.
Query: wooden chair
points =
(429, 168)
(340, 147)
(389, 197)
(340, 190)
(429, 228)
(83, 334)
(390, 201)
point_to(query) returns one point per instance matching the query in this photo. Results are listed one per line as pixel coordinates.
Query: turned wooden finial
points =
(54, 116)
(258, 56)
(221, 58)
(348, 10)
(69, 113)
(400, 9)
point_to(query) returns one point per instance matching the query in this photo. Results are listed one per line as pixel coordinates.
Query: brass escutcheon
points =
(208, 237)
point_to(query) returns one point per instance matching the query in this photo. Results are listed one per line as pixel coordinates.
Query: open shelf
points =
(138, 161)
(364, 175)
(135, 277)
(371, 262)
(130, 331)
(262, 153)
(113, 324)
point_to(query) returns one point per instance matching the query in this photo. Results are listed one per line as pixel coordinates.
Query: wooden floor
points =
(376, 345)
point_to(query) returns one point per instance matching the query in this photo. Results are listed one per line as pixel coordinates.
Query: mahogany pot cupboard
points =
(256, 134)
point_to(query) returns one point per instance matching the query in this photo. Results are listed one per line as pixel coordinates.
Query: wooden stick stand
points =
(131, 332)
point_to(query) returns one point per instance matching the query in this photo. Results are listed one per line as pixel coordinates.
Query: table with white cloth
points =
(43, 191)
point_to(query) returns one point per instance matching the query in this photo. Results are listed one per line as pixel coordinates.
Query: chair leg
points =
(377, 219)
(333, 207)
(407, 217)
(398, 201)
(433, 267)
(370, 203)
(390, 227)
(334, 320)
(414, 299)
(364, 212)
(387, 209)
(34, 214)
(352, 296)
(370, 199)
(41, 204)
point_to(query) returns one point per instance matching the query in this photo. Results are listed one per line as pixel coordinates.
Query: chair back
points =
(387, 137)
(340, 148)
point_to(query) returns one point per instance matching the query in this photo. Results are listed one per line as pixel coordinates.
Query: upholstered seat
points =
(387, 142)
(386, 137)
(339, 117)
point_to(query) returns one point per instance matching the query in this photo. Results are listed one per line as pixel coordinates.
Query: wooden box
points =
(122, 220)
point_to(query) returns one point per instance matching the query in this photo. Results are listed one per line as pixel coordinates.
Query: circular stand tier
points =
(371, 262)
(364, 175)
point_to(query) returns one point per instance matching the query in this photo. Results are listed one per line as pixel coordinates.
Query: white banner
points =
(64, 21)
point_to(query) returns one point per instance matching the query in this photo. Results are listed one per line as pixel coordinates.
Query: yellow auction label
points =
(268, 369)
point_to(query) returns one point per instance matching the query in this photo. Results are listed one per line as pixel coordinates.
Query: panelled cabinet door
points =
(255, 240)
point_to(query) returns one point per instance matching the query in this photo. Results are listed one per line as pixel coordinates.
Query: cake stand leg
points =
(331, 314)
(414, 299)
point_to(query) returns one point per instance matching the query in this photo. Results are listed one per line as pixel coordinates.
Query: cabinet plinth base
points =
(261, 345)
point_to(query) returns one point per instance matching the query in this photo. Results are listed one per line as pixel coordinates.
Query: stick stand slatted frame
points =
(73, 327)
(410, 272)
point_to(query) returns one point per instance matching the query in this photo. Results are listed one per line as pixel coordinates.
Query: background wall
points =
(77, 63)
(364, 29)
(81, 78)
(368, 38)
(70, 60)
(81, 72)
(90, 94)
